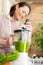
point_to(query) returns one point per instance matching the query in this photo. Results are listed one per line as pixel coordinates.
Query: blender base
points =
(22, 60)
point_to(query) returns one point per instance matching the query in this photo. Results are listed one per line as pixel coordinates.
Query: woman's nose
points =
(23, 15)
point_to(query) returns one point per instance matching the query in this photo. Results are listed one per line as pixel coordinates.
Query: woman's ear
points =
(17, 6)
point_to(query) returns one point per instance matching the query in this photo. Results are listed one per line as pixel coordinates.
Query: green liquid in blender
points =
(22, 46)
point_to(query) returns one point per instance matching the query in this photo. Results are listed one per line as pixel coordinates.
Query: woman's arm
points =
(2, 41)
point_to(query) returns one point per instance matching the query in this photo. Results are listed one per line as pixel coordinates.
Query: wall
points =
(35, 17)
(4, 6)
(0, 6)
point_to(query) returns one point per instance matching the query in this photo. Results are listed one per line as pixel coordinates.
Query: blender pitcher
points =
(22, 39)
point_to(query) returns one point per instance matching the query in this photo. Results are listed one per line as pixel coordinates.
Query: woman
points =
(11, 22)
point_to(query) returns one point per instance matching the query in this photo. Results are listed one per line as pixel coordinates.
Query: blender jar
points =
(22, 39)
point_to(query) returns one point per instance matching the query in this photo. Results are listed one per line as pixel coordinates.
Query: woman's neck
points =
(12, 18)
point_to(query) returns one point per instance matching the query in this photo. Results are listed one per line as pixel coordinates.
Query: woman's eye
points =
(23, 11)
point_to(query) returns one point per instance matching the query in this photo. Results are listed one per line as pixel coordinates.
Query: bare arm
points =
(2, 41)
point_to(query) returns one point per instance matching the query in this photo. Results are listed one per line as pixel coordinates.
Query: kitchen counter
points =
(25, 60)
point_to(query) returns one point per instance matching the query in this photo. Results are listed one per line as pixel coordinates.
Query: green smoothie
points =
(22, 46)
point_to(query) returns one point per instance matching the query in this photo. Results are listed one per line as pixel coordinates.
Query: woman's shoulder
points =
(3, 16)
(3, 19)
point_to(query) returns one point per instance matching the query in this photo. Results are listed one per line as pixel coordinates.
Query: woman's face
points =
(20, 12)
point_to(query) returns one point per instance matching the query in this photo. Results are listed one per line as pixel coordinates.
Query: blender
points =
(22, 41)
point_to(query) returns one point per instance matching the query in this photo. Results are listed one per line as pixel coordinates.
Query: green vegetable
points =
(9, 57)
(12, 56)
(2, 59)
(22, 46)
(1, 56)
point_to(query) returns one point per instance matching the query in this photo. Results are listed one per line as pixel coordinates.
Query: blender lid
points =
(19, 30)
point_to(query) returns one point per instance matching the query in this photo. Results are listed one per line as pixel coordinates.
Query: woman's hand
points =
(10, 40)
(28, 26)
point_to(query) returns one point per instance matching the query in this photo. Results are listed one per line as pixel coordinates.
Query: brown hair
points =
(21, 4)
